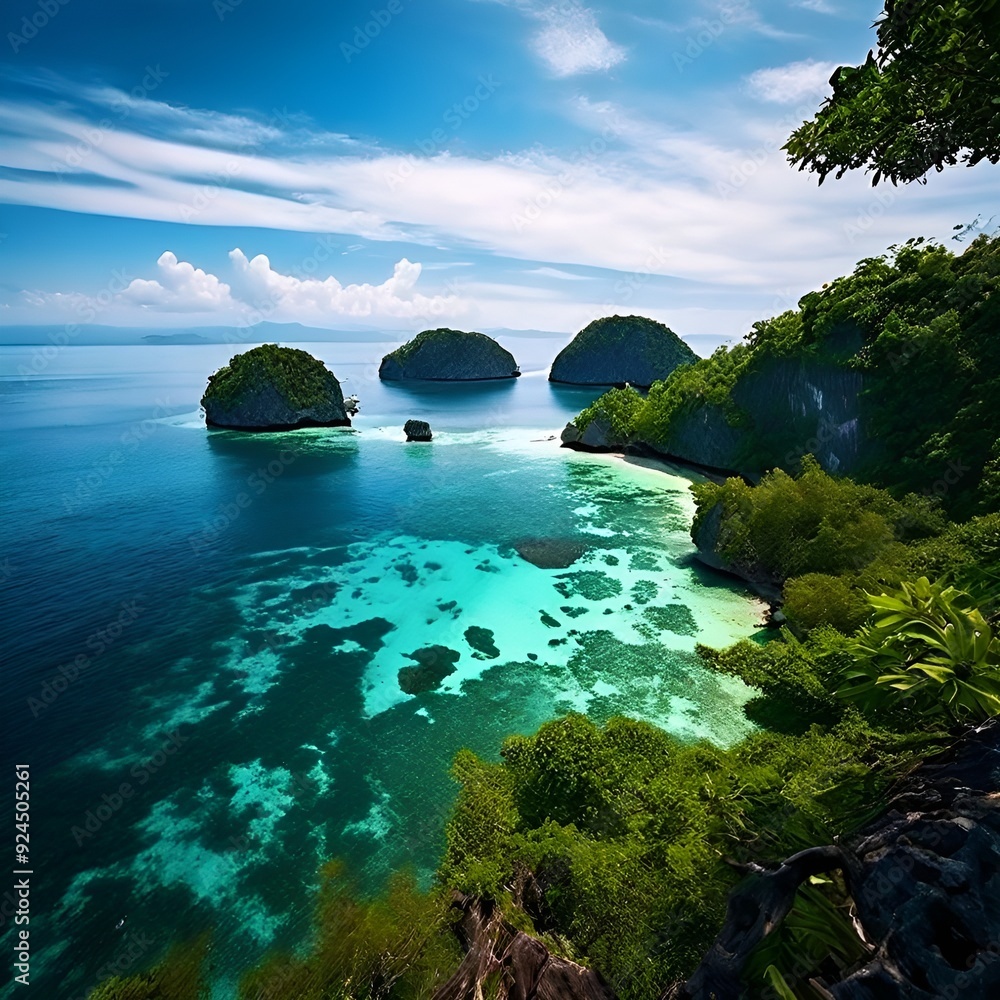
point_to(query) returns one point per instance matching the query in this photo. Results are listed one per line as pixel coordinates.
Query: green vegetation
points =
(927, 99)
(301, 379)
(916, 324)
(398, 946)
(446, 343)
(626, 830)
(929, 650)
(179, 976)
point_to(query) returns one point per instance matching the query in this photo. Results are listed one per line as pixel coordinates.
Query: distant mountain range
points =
(286, 333)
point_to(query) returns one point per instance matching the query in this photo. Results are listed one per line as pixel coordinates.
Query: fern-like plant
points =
(928, 649)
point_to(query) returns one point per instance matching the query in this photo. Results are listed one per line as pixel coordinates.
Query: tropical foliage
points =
(928, 650)
(929, 97)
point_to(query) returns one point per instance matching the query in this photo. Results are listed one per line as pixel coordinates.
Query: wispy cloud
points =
(643, 198)
(793, 82)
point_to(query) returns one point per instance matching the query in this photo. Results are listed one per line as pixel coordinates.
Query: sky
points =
(403, 164)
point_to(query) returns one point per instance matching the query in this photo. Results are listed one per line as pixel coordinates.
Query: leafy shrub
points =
(397, 946)
(618, 407)
(177, 976)
(820, 599)
(787, 526)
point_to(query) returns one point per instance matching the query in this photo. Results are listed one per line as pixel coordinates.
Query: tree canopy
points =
(928, 98)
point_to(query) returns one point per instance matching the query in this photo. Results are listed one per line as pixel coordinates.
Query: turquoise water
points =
(238, 607)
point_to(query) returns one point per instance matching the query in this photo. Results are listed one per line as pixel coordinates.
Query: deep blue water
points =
(216, 622)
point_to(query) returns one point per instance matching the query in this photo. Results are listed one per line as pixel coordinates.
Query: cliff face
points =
(449, 355)
(618, 349)
(789, 408)
(274, 388)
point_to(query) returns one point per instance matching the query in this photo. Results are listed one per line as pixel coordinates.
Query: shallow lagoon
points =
(252, 704)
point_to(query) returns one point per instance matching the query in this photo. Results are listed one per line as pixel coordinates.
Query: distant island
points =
(445, 355)
(175, 338)
(615, 350)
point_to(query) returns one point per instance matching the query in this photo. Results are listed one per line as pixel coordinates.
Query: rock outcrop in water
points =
(434, 664)
(449, 356)
(618, 349)
(273, 388)
(417, 430)
(550, 553)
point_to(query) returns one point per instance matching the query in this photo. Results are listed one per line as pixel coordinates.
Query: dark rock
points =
(274, 388)
(596, 436)
(417, 430)
(481, 640)
(550, 553)
(925, 880)
(507, 964)
(435, 663)
(619, 349)
(449, 355)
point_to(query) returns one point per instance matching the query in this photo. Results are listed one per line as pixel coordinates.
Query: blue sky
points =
(397, 165)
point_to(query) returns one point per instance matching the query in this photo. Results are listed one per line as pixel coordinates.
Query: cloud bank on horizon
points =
(516, 163)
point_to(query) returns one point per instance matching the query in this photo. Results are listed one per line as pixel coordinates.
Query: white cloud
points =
(793, 82)
(555, 272)
(314, 300)
(181, 287)
(572, 42)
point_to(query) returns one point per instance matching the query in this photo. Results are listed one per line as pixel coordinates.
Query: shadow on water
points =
(575, 397)
(312, 451)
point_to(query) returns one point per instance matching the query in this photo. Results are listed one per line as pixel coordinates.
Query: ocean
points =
(203, 633)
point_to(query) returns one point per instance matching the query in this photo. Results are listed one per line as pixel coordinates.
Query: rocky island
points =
(271, 388)
(614, 350)
(448, 356)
